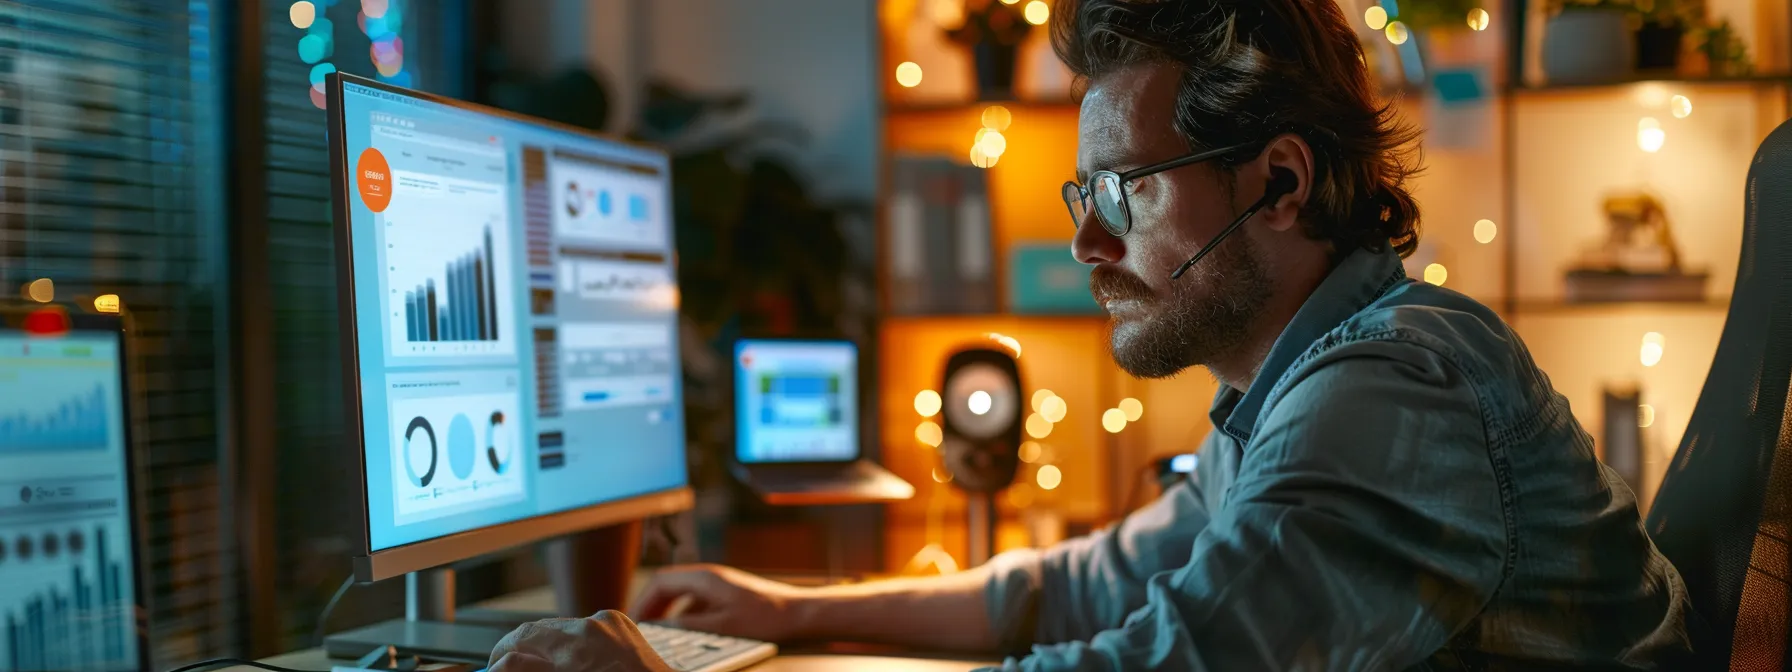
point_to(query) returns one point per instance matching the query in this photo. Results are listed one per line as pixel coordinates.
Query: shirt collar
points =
(1361, 278)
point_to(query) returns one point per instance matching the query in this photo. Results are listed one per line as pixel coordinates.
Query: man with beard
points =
(1391, 483)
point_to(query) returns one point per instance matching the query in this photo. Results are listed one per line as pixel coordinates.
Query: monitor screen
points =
(796, 401)
(67, 568)
(515, 315)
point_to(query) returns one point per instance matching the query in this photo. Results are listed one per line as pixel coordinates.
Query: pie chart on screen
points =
(460, 446)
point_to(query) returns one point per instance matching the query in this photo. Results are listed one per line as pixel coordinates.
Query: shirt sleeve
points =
(1089, 584)
(1365, 528)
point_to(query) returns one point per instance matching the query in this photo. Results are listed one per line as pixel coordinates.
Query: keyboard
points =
(690, 651)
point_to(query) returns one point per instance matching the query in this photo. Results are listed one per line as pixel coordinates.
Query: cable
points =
(324, 616)
(216, 663)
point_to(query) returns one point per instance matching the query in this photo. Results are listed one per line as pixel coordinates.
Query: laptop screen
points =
(796, 401)
(67, 570)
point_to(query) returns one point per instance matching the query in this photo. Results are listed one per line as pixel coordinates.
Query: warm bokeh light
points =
(1680, 106)
(1485, 231)
(1376, 17)
(1653, 347)
(1038, 12)
(1030, 451)
(991, 142)
(1113, 420)
(374, 9)
(927, 403)
(41, 290)
(301, 14)
(979, 402)
(1054, 409)
(1645, 415)
(908, 74)
(982, 159)
(1039, 397)
(1478, 19)
(997, 118)
(1436, 274)
(1038, 427)
(106, 303)
(1133, 408)
(1009, 2)
(1649, 135)
(1397, 33)
(928, 432)
(940, 475)
(1048, 477)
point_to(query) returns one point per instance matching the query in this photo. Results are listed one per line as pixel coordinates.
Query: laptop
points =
(797, 429)
(70, 598)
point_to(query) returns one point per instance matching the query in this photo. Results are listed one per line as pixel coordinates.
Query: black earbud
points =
(1282, 182)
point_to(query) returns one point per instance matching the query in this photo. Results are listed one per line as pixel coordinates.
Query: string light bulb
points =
(301, 14)
(1478, 19)
(1039, 397)
(41, 290)
(992, 142)
(1485, 231)
(1376, 17)
(1038, 12)
(1645, 415)
(908, 74)
(1132, 408)
(1654, 345)
(1030, 451)
(1649, 135)
(927, 403)
(1049, 477)
(1054, 409)
(1038, 427)
(1436, 274)
(1680, 106)
(1113, 420)
(929, 433)
(997, 118)
(1397, 33)
(979, 402)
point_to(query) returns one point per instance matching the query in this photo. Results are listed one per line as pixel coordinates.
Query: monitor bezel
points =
(376, 565)
(859, 397)
(118, 325)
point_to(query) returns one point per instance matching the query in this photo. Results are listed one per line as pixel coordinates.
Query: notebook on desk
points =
(797, 432)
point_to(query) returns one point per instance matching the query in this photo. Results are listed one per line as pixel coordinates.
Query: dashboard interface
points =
(515, 317)
(796, 401)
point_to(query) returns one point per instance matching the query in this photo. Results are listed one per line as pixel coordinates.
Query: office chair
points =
(1723, 510)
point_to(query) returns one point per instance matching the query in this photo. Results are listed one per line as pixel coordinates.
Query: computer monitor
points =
(796, 401)
(510, 326)
(70, 598)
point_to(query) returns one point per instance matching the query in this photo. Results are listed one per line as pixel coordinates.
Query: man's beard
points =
(1207, 315)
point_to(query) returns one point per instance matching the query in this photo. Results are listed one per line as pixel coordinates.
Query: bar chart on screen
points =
(448, 268)
(66, 589)
(51, 403)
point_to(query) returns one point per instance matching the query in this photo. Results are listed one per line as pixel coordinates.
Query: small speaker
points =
(982, 408)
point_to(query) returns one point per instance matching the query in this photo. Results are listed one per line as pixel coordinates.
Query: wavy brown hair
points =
(1255, 69)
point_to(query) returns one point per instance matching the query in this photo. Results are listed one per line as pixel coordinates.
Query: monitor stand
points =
(590, 571)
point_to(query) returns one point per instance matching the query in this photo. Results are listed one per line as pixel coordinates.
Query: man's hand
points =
(607, 642)
(723, 601)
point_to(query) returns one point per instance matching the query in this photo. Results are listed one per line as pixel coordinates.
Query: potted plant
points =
(1591, 41)
(993, 31)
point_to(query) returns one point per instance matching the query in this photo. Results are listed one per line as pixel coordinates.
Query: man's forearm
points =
(946, 612)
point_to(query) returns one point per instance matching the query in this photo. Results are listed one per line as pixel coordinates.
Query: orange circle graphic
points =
(373, 178)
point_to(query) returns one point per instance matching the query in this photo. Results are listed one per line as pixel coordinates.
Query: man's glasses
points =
(1106, 191)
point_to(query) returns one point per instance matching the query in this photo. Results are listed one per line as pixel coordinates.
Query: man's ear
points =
(1287, 158)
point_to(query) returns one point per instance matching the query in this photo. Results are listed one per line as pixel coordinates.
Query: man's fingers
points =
(665, 588)
(516, 661)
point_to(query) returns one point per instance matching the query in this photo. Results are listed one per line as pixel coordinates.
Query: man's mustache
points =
(1108, 283)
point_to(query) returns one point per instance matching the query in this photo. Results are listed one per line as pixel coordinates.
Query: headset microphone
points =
(1281, 183)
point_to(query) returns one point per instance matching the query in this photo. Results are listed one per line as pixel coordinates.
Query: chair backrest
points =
(1722, 513)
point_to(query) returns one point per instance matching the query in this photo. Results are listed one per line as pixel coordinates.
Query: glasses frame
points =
(1118, 229)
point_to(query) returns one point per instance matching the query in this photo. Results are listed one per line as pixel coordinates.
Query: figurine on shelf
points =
(1637, 260)
(993, 31)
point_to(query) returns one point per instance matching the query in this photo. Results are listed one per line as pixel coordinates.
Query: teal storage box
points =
(1043, 279)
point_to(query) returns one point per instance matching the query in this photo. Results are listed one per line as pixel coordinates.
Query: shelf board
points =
(1718, 305)
(944, 106)
(1775, 79)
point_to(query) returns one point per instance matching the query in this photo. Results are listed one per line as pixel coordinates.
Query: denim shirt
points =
(1400, 488)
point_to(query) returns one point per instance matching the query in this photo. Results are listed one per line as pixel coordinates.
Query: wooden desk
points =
(796, 661)
(788, 660)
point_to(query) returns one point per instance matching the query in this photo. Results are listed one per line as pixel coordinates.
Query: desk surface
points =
(542, 599)
(314, 659)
